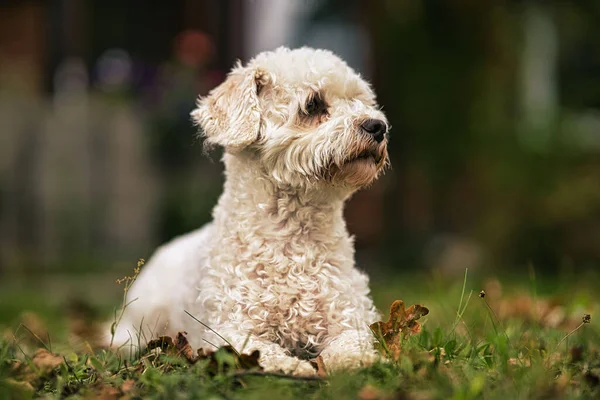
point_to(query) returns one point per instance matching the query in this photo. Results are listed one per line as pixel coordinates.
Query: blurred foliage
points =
(449, 76)
(479, 178)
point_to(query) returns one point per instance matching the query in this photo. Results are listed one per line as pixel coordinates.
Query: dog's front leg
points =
(352, 348)
(273, 357)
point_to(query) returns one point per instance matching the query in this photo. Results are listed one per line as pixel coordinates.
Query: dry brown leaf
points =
(106, 392)
(184, 348)
(19, 385)
(162, 342)
(402, 323)
(370, 392)
(181, 347)
(250, 361)
(243, 362)
(319, 365)
(545, 312)
(46, 361)
(128, 386)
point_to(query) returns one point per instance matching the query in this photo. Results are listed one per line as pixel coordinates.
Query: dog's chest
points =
(292, 287)
(287, 285)
(295, 294)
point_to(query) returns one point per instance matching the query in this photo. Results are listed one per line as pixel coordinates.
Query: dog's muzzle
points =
(374, 153)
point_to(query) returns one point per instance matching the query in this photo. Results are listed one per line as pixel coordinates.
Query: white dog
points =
(275, 269)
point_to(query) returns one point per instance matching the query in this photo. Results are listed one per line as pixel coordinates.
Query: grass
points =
(512, 343)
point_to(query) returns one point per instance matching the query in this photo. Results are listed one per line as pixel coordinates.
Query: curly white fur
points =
(275, 269)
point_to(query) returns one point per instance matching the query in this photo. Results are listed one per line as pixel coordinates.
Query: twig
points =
(129, 281)
(212, 344)
(586, 320)
(482, 296)
(37, 337)
(21, 349)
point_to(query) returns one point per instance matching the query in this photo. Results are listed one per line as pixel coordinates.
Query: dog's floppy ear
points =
(230, 115)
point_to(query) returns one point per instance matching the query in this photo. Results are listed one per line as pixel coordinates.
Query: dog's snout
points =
(376, 128)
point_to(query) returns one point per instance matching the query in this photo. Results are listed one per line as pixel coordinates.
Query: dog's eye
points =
(315, 105)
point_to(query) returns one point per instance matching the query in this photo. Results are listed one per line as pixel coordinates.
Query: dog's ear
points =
(230, 115)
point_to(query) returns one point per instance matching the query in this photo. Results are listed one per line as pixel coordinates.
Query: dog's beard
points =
(361, 166)
(303, 163)
(357, 173)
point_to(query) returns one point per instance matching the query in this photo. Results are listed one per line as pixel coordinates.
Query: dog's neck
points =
(250, 195)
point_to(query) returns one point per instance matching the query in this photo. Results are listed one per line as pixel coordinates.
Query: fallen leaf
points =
(180, 346)
(184, 348)
(162, 342)
(546, 312)
(369, 392)
(22, 371)
(106, 392)
(319, 365)
(127, 386)
(19, 385)
(250, 361)
(402, 323)
(46, 361)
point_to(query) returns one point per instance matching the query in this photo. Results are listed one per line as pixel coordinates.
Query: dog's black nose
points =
(376, 128)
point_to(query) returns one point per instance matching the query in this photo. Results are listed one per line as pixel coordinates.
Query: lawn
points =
(522, 337)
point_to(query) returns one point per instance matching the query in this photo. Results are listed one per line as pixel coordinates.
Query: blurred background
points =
(495, 145)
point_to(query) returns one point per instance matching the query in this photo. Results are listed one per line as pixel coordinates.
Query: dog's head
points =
(305, 117)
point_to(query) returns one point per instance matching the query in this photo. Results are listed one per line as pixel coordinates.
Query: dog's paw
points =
(288, 365)
(349, 360)
(304, 368)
